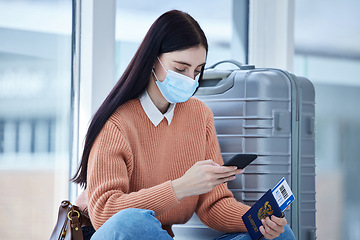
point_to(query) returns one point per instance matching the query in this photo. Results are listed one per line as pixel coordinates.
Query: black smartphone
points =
(241, 160)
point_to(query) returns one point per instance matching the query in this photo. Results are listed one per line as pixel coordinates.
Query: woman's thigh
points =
(132, 223)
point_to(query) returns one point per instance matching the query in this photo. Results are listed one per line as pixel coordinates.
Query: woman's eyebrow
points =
(188, 64)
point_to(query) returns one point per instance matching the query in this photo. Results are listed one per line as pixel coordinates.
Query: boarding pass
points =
(283, 194)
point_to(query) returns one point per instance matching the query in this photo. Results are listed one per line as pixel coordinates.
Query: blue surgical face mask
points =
(176, 87)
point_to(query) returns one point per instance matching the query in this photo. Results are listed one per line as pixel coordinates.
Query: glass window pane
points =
(330, 58)
(35, 80)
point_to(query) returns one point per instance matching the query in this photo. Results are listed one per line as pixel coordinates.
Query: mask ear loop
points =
(155, 75)
(161, 64)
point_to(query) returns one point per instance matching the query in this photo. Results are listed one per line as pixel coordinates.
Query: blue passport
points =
(266, 206)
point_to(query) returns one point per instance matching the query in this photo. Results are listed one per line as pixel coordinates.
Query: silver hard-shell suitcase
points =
(271, 113)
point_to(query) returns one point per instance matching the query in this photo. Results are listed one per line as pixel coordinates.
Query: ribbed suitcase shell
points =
(271, 113)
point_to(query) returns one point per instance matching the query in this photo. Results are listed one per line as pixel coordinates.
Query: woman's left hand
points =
(273, 227)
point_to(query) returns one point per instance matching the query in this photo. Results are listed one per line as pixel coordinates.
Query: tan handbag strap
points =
(61, 227)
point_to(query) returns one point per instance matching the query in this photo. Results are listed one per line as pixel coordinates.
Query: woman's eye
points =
(180, 70)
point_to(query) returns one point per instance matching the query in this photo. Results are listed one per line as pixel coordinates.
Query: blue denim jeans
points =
(135, 223)
(130, 224)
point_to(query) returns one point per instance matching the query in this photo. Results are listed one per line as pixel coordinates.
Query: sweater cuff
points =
(169, 199)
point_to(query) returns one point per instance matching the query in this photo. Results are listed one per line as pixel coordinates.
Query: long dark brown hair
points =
(172, 31)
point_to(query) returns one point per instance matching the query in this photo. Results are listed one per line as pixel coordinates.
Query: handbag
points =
(69, 223)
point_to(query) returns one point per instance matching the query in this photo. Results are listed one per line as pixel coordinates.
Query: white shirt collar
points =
(153, 112)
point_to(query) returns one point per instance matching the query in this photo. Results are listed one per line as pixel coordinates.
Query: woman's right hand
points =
(202, 177)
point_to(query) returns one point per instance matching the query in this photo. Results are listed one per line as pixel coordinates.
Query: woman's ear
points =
(153, 68)
(155, 65)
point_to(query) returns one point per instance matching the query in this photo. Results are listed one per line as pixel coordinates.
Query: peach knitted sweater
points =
(132, 163)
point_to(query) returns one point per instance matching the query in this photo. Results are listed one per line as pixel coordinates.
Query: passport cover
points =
(266, 206)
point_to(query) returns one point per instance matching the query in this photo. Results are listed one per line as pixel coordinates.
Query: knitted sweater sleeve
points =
(109, 170)
(218, 208)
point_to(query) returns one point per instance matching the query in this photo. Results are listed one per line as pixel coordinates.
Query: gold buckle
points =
(78, 214)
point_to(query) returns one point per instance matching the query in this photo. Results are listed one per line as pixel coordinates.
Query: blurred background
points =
(36, 101)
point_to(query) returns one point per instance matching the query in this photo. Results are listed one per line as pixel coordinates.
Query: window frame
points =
(93, 70)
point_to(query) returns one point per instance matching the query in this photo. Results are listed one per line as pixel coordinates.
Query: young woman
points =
(151, 157)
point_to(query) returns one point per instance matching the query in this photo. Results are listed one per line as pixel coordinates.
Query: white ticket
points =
(283, 194)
